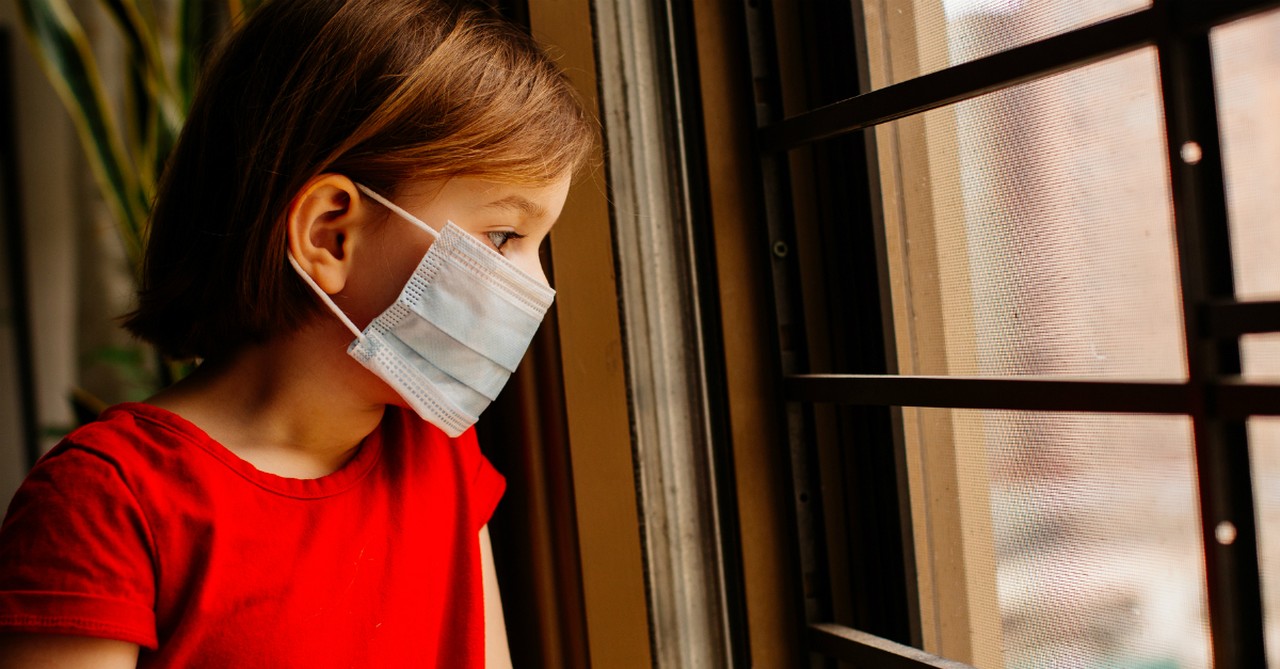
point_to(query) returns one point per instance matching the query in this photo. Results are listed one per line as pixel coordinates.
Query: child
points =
(303, 499)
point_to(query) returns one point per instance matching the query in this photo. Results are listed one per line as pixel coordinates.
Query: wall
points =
(77, 279)
(48, 176)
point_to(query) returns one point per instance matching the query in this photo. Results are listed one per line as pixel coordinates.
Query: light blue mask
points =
(462, 323)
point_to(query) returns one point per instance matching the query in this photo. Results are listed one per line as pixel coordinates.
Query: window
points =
(1024, 286)
(977, 348)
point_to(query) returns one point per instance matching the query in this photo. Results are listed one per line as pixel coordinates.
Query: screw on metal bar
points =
(1225, 533)
(1191, 153)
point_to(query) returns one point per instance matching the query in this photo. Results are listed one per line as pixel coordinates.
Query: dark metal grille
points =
(1214, 395)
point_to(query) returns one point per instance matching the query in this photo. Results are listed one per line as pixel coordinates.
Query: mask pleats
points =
(457, 331)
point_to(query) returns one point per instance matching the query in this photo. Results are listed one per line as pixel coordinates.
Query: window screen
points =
(1264, 451)
(1080, 537)
(1246, 66)
(1246, 59)
(1050, 212)
(925, 36)
(1032, 230)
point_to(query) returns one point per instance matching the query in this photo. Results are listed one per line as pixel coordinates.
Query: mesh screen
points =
(1080, 537)
(1031, 230)
(1264, 454)
(1246, 64)
(1260, 357)
(923, 36)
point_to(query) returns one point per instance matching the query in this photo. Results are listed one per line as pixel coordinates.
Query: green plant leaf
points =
(85, 405)
(63, 51)
(138, 34)
(190, 41)
(141, 120)
(128, 364)
(114, 355)
(56, 431)
(147, 67)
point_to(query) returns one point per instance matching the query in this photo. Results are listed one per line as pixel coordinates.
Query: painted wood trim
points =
(594, 377)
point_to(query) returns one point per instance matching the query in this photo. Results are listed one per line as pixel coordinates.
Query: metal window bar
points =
(962, 82)
(1228, 318)
(1231, 397)
(1001, 70)
(1214, 396)
(805, 520)
(1221, 444)
(872, 651)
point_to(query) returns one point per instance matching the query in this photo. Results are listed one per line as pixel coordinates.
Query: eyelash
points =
(500, 239)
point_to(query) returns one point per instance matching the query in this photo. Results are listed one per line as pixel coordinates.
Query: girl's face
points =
(514, 220)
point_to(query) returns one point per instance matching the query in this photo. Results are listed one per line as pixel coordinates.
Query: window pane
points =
(1260, 357)
(1264, 450)
(1059, 540)
(1029, 231)
(909, 38)
(1246, 63)
(1247, 73)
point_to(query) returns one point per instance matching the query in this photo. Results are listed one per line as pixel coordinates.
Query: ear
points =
(325, 220)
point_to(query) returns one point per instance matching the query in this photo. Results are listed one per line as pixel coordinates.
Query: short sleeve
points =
(76, 554)
(486, 484)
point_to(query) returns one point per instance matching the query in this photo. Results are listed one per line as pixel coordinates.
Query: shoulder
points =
(93, 475)
(130, 449)
(77, 549)
(126, 433)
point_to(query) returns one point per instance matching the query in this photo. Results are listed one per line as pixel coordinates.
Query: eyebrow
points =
(519, 203)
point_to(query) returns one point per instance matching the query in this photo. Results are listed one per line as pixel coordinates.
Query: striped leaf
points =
(63, 50)
(191, 19)
(144, 56)
(156, 96)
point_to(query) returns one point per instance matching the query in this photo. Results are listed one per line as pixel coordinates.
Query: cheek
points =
(530, 263)
(383, 276)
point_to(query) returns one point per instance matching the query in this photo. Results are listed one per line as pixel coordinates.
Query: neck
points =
(295, 406)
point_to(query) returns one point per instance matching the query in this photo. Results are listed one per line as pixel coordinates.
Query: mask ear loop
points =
(325, 298)
(396, 208)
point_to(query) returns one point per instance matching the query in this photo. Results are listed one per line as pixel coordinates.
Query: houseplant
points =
(127, 137)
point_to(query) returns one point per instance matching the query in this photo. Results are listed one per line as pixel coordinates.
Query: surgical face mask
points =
(462, 323)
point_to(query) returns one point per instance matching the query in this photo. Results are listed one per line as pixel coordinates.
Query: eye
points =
(500, 238)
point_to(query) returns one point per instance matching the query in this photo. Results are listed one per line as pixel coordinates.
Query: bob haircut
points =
(382, 91)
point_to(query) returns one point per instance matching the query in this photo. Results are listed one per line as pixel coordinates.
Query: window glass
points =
(1059, 539)
(1029, 231)
(1246, 58)
(909, 38)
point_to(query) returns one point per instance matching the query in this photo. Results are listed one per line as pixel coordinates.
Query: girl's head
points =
(388, 93)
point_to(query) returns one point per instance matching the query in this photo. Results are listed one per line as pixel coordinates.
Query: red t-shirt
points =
(140, 527)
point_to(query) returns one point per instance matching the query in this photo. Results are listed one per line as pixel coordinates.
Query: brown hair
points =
(383, 91)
